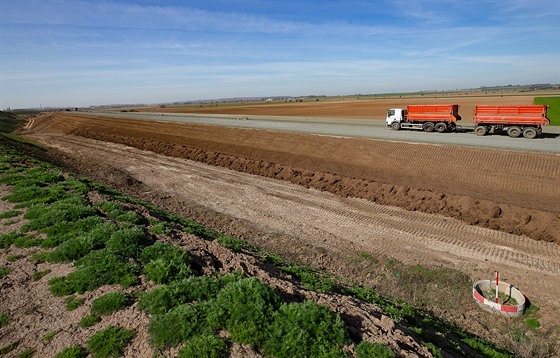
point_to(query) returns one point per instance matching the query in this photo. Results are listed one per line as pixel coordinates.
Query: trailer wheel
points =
(514, 132)
(529, 132)
(395, 126)
(428, 127)
(481, 130)
(441, 127)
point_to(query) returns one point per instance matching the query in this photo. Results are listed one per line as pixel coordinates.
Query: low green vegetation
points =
(109, 303)
(110, 342)
(89, 321)
(553, 111)
(4, 319)
(4, 271)
(73, 302)
(76, 351)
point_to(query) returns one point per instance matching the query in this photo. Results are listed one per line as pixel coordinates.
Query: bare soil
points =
(333, 202)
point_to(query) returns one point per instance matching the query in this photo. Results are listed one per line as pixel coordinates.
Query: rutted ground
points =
(462, 208)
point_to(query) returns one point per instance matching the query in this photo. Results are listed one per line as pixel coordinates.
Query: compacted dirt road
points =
(328, 201)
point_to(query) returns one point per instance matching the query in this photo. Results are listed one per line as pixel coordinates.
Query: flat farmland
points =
(337, 203)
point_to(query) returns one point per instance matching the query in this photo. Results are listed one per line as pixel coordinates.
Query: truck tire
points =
(514, 132)
(395, 126)
(428, 127)
(441, 127)
(481, 130)
(530, 132)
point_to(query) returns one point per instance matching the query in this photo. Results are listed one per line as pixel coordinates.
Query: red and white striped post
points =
(497, 274)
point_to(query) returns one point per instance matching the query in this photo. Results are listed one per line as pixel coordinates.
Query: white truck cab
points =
(395, 115)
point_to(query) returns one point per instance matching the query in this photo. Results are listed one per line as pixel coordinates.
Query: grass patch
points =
(49, 336)
(110, 303)
(76, 351)
(204, 345)
(98, 268)
(366, 350)
(4, 271)
(7, 349)
(194, 289)
(110, 342)
(307, 330)
(89, 321)
(10, 214)
(310, 278)
(14, 258)
(91, 234)
(245, 308)
(27, 353)
(164, 263)
(187, 321)
(37, 275)
(4, 319)
(73, 302)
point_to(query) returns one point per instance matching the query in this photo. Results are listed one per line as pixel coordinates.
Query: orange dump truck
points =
(427, 117)
(515, 120)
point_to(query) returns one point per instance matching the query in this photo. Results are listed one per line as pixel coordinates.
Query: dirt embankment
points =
(509, 191)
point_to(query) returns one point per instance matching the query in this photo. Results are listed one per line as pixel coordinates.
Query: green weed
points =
(245, 309)
(179, 324)
(49, 336)
(532, 323)
(164, 263)
(4, 271)
(37, 275)
(378, 350)
(235, 244)
(93, 234)
(89, 321)
(310, 278)
(160, 228)
(4, 319)
(306, 330)
(98, 268)
(204, 345)
(7, 349)
(73, 302)
(10, 214)
(71, 209)
(13, 258)
(128, 242)
(117, 212)
(110, 342)
(109, 303)
(193, 289)
(76, 351)
(27, 353)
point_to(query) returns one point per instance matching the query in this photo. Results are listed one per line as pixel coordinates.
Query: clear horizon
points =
(87, 53)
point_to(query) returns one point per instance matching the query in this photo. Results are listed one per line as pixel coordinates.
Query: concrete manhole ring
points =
(510, 303)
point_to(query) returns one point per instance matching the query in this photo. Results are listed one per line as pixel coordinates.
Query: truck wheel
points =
(481, 130)
(514, 132)
(428, 127)
(441, 127)
(529, 132)
(395, 126)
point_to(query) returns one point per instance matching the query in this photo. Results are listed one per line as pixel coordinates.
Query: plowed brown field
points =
(326, 200)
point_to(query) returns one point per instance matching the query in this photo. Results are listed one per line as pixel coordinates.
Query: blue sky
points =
(81, 53)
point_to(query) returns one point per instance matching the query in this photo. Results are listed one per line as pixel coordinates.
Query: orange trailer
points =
(515, 120)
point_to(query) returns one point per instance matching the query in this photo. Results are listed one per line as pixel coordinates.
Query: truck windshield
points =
(390, 112)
